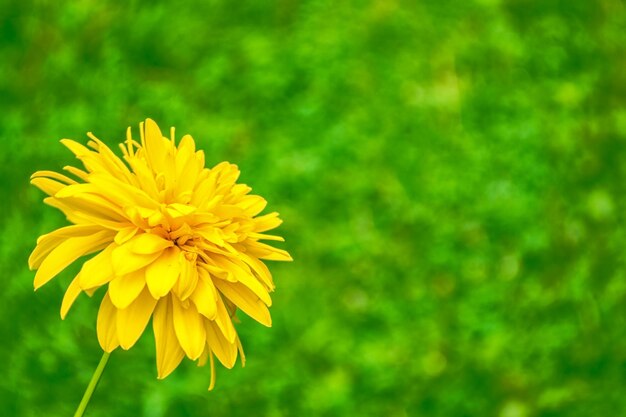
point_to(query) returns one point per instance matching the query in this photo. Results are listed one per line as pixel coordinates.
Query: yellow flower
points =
(176, 241)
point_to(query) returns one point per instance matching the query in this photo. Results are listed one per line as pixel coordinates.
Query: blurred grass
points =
(450, 174)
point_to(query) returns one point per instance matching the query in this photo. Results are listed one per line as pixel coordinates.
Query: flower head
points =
(175, 241)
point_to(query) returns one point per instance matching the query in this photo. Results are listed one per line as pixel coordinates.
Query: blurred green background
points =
(451, 176)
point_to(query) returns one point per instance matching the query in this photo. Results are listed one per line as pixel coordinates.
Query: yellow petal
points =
(125, 234)
(92, 208)
(72, 292)
(92, 160)
(77, 172)
(242, 273)
(76, 189)
(225, 351)
(75, 147)
(125, 261)
(253, 204)
(240, 349)
(261, 270)
(97, 271)
(202, 360)
(114, 164)
(54, 175)
(47, 185)
(168, 350)
(266, 222)
(89, 218)
(176, 210)
(262, 236)
(246, 300)
(132, 320)
(212, 384)
(47, 242)
(145, 176)
(121, 193)
(107, 325)
(154, 145)
(187, 168)
(188, 278)
(228, 211)
(125, 289)
(66, 253)
(263, 251)
(227, 174)
(203, 195)
(189, 327)
(204, 295)
(212, 235)
(161, 275)
(223, 320)
(147, 243)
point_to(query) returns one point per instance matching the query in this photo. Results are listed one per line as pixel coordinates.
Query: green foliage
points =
(450, 175)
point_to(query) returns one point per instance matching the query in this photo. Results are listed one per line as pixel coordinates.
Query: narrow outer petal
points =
(132, 321)
(66, 253)
(107, 325)
(204, 295)
(189, 328)
(70, 296)
(225, 350)
(48, 242)
(246, 300)
(168, 350)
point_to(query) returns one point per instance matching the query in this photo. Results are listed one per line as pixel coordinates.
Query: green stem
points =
(92, 385)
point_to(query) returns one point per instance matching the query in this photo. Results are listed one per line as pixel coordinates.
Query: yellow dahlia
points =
(175, 241)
